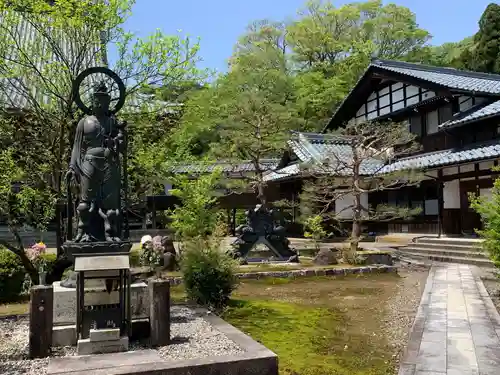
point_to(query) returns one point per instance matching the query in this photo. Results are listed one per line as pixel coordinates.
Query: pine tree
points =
(485, 55)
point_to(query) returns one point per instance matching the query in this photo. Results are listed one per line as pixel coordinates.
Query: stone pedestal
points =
(64, 312)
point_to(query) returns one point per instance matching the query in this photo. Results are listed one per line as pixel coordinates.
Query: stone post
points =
(41, 320)
(159, 311)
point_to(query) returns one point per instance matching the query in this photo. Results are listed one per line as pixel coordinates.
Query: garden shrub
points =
(209, 274)
(11, 276)
(135, 258)
(489, 210)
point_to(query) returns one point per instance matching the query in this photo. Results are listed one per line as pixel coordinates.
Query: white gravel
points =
(192, 337)
(402, 308)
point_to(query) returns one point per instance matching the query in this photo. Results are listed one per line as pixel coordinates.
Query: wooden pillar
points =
(233, 228)
(153, 219)
(159, 311)
(41, 321)
(59, 227)
(440, 188)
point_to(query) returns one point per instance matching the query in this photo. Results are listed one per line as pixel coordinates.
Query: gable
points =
(387, 87)
(391, 98)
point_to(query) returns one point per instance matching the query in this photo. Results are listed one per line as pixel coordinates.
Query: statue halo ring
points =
(98, 70)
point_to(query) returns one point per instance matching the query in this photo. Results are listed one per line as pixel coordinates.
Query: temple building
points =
(456, 116)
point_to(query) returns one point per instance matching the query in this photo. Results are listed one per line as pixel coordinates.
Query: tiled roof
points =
(448, 77)
(314, 149)
(457, 81)
(473, 114)
(446, 157)
(225, 166)
(288, 171)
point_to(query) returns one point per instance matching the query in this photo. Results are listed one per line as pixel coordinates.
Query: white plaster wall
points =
(485, 165)
(451, 194)
(485, 193)
(467, 168)
(344, 205)
(168, 187)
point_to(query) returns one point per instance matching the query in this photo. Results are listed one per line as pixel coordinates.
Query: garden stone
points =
(325, 257)
(169, 262)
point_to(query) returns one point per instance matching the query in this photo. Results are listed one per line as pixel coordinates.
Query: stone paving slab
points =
(457, 327)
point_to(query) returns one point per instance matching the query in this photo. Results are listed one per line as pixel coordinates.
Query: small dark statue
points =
(261, 229)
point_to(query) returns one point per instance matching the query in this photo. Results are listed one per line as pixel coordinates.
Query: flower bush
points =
(36, 255)
(151, 254)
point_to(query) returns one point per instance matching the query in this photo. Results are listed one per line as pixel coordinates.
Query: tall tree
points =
(485, 54)
(250, 108)
(332, 46)
(446, 55)
(353, 170)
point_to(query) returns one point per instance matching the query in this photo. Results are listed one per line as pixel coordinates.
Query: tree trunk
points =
(19, 251)
(261, 195)
(356, 222)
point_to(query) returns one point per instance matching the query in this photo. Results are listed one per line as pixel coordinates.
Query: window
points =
(445, 113)
(416, 125)
(432, 122)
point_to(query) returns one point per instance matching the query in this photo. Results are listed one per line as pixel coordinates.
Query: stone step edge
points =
(444, 245)
(448, 259)
(307, 273)
(428, 251)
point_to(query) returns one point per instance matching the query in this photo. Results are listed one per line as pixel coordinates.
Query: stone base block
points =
(109, 334)
(87, 346)
(66, 335)
(65, 301)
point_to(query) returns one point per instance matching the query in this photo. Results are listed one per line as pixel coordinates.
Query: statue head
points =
(101, 99)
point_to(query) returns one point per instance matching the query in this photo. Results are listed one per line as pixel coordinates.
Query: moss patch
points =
(319, 326)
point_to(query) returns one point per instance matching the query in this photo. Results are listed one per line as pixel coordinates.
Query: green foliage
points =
(489, 210)
(484, 56)
(209, 273)
(49, 261)
(11, 275)
(135, 258)
(196, 216)
(314, 229)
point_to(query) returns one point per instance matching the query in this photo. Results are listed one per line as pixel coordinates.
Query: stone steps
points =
(444, 252)
(450, 250)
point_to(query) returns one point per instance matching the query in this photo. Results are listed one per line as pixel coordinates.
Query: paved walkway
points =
(456, 330)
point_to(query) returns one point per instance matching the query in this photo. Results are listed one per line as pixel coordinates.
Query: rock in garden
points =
(325, 257)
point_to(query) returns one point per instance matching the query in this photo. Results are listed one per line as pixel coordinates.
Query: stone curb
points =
(307, 273)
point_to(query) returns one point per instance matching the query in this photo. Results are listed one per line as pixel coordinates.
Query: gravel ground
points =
(401, 310)
(492, 284)
(192, 337)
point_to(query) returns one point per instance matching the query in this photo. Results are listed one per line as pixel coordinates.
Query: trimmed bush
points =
(209, 274)
(11, 276)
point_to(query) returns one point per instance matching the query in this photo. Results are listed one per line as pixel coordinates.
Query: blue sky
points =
(220, 22)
